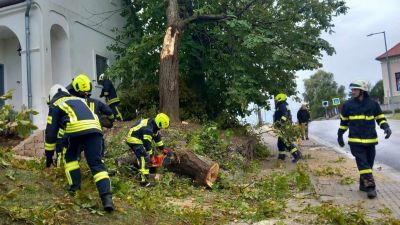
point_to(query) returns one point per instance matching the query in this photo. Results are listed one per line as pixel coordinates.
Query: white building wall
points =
(12, 71)
(87, 26)
(394, 68)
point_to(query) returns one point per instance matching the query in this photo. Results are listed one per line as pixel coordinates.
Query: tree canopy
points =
(321, 86)
(232, 53)
(377, 91)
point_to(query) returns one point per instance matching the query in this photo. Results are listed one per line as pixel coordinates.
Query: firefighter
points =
(140, 138)
(282, 116)
(359, 115)
(110, 94)
(303, 118)
(79, 87)
(81, 127)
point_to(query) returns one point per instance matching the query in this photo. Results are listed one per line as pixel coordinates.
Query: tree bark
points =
(169, 63)
(204, 171)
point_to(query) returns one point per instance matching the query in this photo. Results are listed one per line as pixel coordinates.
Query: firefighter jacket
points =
(72, 115)
(303, 116)
(143, 133)
(99, 108)
(359, 117)
(282, 112)
(109, 92)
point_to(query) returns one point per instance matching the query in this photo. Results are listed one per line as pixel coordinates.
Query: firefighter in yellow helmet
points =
(140, 138)
(82, 127)
(282, 116)
(81, 86)
(359, 115)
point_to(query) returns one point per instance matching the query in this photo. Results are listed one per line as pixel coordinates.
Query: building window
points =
(101, 65)
(397, 81)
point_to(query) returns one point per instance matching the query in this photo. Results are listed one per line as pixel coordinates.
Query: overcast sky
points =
(355, 52)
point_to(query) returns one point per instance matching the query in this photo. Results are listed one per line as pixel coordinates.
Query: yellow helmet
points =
(280, 97)
(162, 121)
(81, 83)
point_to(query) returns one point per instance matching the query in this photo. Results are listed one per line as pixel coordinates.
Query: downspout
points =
(28, 52)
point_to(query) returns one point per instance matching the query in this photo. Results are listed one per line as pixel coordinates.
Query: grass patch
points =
(328, 171)
(328, 213)
(347, 180)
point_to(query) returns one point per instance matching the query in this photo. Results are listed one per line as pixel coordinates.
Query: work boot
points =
(146, 184)
(296, 156)
(111, 172)
(107, 202)
(371, 193)
(282, 157)
(368, 185)
(72, 189)
(362, 187)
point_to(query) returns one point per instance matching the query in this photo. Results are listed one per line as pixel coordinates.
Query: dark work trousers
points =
(282, 147)
(92, 145)
(365, 156)
(143, 159)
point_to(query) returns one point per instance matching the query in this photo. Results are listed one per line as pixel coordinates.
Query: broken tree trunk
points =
(203, 170)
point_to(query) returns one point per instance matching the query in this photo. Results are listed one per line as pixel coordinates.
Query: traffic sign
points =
(325, 103)
(335, 101)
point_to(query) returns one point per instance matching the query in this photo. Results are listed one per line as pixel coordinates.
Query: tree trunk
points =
(169, 63)
(203, 170)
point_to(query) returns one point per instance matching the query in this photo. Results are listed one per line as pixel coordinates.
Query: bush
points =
(14, 123)
(397, 110)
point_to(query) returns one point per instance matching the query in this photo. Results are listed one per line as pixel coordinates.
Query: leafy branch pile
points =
(14, 123)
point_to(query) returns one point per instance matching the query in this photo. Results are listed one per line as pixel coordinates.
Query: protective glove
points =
(340, 140)
(387, 131)
(167, 152)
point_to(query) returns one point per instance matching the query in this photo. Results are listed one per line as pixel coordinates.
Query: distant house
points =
(67, 37)
(394, 61)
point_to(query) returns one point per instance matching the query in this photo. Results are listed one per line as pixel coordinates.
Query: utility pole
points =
(388, 67)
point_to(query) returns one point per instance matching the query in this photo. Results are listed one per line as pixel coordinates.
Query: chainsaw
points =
(159, 160)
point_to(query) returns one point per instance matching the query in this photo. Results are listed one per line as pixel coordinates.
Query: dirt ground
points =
(9, 141)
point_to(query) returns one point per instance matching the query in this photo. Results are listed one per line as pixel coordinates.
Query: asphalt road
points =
(387, 151)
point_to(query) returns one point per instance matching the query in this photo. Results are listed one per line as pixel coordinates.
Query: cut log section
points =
(204, 171)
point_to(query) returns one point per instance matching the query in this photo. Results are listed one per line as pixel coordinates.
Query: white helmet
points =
(55, 89)
(101, 77)
(359, 84)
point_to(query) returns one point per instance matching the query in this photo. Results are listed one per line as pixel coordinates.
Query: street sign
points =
(335, 101)
(325, 103)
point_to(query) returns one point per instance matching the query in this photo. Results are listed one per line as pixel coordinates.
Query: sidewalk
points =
(330, 168)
